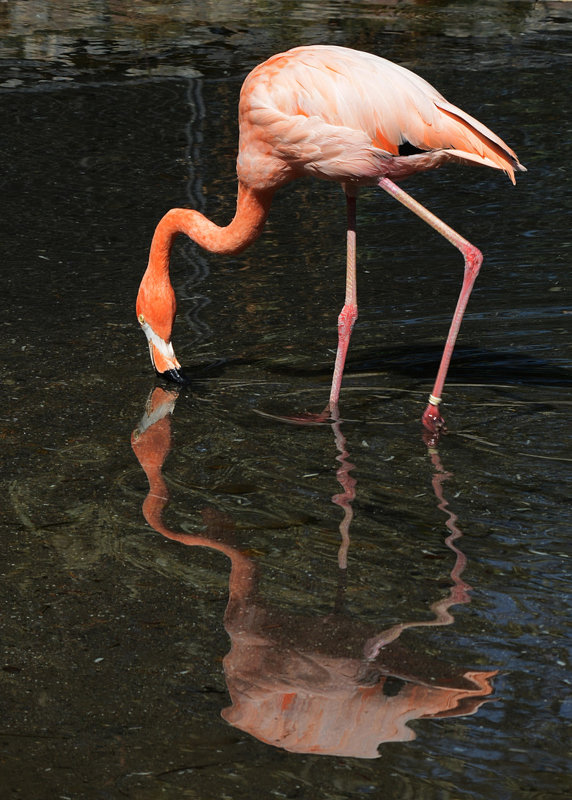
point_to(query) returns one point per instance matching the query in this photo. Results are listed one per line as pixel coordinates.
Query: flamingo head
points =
(156, 318)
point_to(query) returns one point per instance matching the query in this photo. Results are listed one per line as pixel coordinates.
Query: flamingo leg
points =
(432, 419)
(349, 312)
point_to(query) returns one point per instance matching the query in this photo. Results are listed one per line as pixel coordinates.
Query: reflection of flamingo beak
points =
(162, 355)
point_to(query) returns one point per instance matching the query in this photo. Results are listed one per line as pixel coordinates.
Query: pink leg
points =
(432, 419)
(349, 312)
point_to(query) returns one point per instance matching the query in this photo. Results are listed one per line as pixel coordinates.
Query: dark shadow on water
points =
(468, 365)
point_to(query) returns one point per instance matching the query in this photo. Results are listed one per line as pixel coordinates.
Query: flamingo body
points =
(342, 115)
(339, 115)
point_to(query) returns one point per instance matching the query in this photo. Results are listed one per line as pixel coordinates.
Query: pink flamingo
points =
(344, 116)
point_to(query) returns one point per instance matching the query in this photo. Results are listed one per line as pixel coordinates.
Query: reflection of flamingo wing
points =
(325, 712)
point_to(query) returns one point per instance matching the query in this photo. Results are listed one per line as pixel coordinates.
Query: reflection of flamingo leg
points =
(345, 499)
(459, 592)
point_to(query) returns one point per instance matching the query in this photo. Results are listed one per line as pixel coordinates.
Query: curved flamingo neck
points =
(156, 301)
(252, 209)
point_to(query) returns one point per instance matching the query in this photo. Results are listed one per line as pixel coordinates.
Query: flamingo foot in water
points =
(432, 419)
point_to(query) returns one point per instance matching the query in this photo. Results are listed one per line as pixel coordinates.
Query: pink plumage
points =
(342, 115)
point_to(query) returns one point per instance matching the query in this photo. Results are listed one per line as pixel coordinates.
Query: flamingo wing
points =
(343, 115)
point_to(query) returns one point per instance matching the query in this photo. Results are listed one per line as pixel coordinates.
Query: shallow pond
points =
(200, 597)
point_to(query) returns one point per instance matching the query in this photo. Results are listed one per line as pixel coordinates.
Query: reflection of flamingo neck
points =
(151, 448)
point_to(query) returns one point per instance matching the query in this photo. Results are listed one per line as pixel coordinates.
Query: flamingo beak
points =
(162, 355)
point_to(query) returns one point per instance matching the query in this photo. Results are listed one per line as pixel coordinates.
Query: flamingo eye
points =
(141, 319)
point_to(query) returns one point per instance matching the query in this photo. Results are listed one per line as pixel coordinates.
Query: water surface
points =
(415, 598)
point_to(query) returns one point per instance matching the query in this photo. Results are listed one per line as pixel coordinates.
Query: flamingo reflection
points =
(313, 683)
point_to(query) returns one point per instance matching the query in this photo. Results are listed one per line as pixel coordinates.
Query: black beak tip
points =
(175, 376)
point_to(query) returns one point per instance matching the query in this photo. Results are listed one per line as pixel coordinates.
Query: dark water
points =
(444, 647)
